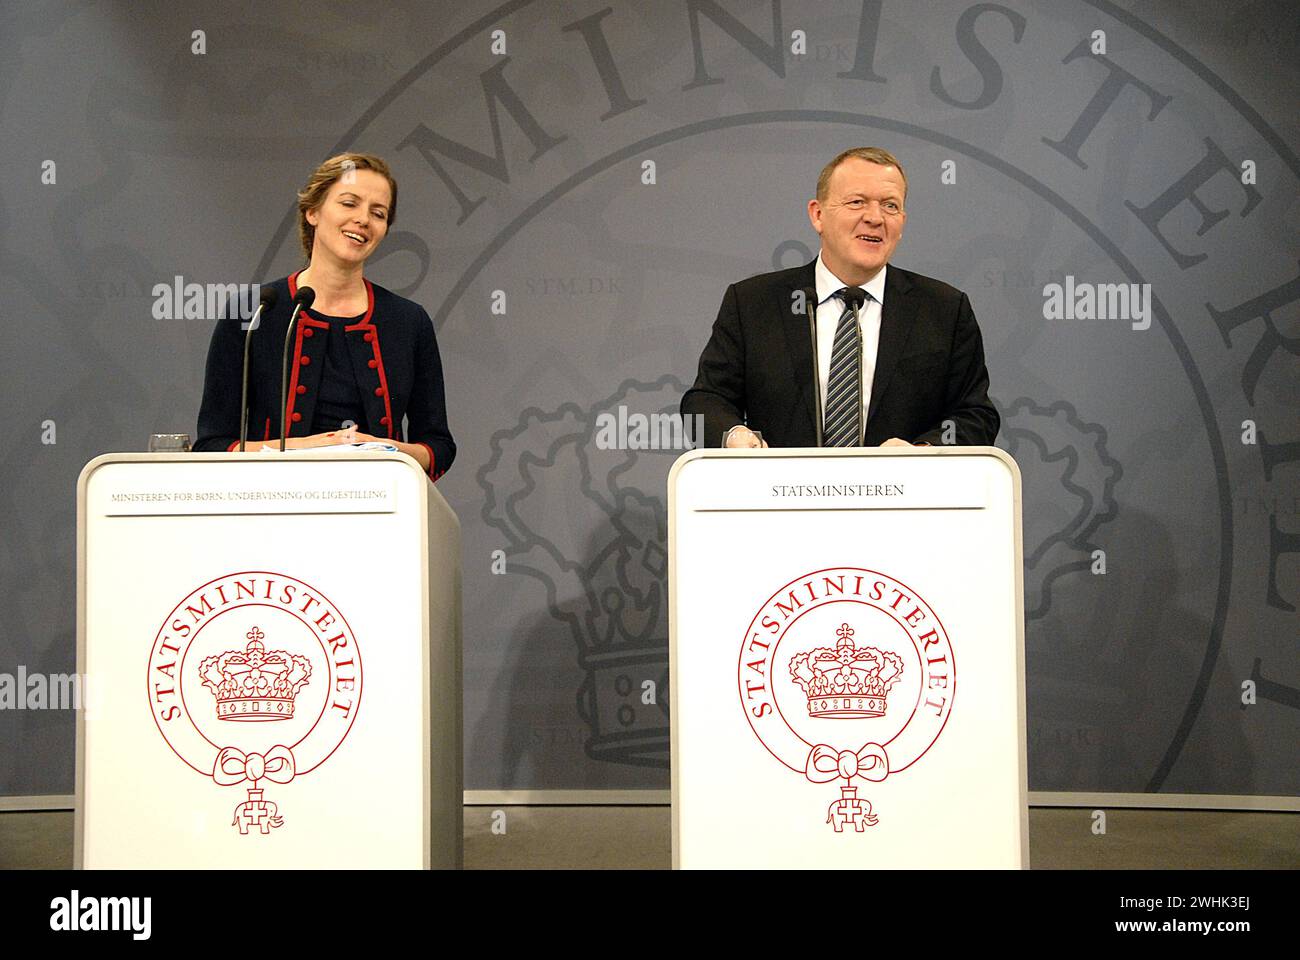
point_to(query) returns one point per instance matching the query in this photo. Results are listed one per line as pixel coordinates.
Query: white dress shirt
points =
(829, 308)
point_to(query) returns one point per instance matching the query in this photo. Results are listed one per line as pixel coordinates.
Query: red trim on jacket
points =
(433, 464)
(303, 317)
(367, 324)
(293, 377)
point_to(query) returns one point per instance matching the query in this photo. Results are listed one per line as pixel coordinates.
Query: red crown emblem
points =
(847, 682)
(255, 683)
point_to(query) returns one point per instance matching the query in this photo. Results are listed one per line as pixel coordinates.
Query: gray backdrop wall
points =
(609, 174)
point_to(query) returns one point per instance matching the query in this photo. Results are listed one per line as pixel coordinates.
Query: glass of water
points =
(169, 443)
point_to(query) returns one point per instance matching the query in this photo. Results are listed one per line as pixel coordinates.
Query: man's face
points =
(861, 220)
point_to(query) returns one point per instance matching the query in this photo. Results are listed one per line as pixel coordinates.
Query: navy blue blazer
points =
(394, 357)
(757, 365)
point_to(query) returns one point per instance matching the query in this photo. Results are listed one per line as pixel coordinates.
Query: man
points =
(900, 358)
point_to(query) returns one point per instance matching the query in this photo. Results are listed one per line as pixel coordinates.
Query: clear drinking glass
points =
(169, 443)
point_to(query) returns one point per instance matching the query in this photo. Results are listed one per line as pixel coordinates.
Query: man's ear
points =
(815, 215)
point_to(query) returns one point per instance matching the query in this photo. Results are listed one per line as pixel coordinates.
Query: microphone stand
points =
(810, 308)
(304, 299)
(243, 384)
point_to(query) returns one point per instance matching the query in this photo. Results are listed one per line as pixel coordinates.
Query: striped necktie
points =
(843, 423)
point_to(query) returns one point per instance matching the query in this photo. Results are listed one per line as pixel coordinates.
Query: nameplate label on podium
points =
(838, 484)
(155, 494)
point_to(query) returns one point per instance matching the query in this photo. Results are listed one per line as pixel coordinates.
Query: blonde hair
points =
(869, 154)
(312, 195)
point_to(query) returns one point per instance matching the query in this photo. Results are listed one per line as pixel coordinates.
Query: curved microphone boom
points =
(301, 301)
(268, 297)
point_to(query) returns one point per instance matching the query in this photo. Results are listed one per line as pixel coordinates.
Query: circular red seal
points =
(254, 676)
(846, 674)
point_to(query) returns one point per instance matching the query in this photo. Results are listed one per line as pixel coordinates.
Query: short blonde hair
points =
(870, 154)
(311, 196)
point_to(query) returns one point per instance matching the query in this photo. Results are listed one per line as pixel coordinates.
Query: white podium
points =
(270, 648)
(847, 659)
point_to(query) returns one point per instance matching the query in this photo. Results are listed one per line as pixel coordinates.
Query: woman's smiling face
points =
(353, 217)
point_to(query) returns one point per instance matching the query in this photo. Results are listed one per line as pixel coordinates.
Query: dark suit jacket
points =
(757, 366)
(394, 357)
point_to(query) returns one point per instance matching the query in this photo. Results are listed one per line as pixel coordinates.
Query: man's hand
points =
(741, 437)
(895, 442)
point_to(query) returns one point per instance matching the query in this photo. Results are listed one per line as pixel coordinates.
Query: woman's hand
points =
(416, 451)
(315, 440)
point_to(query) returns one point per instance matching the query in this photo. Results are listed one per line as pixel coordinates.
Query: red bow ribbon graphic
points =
(234, 766)
(826, 763)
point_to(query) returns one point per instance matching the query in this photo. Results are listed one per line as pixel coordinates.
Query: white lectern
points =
(270, 646)
(847, 659)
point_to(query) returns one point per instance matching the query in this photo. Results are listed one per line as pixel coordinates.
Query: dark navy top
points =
(339, 402)
(390, 351)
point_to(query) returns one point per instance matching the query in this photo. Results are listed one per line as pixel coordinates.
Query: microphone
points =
(301, 301)
(268, 298)
(854, 298)
(810, 308)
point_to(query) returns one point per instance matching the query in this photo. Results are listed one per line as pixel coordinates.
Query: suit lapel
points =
(798, 341)
(896, 323)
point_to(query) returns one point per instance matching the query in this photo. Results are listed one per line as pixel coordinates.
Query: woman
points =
(362, 357)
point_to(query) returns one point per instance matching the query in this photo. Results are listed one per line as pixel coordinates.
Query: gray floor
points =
(639, 837)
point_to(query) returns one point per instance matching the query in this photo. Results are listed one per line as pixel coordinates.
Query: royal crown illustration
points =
(847, 682)
(606, 574)
(255, 683)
